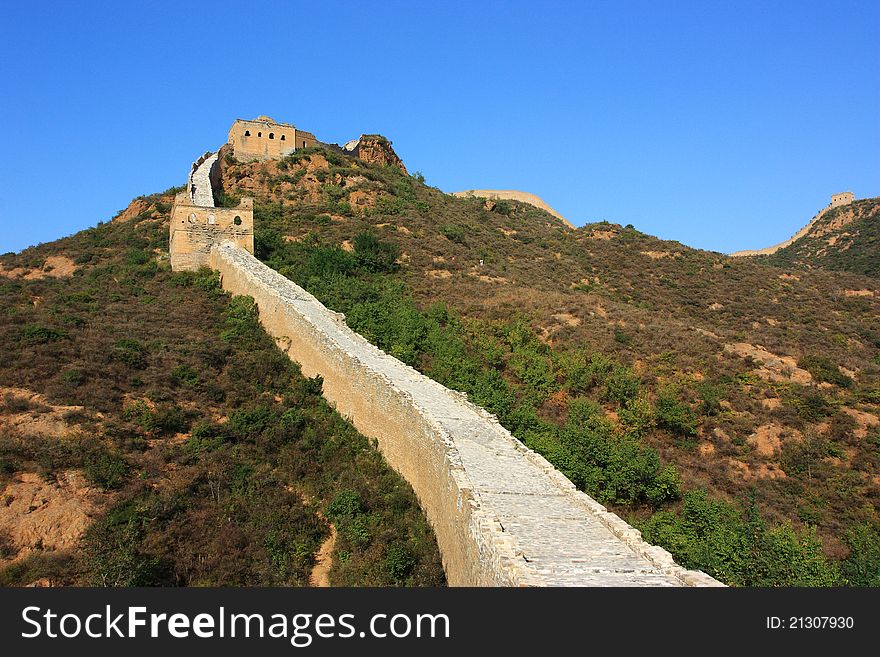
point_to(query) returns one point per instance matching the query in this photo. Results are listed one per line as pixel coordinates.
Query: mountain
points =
(728, 407)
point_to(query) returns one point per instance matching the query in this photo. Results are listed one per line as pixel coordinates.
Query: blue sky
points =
(725, 125)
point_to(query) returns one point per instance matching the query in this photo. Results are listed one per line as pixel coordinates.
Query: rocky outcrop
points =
(46, 514)
(375, 149)
(137, 207)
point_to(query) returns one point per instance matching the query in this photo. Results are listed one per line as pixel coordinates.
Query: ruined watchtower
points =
(264, 138)
(843, 198)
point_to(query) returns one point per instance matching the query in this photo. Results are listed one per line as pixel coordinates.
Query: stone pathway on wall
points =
(200, 179)
(540, 529)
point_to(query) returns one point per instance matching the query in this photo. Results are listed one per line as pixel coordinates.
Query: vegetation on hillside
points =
(215, 460)
(614, 354)
(730, 408)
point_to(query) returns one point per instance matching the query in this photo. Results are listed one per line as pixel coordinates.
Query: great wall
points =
(501, 513)
(842, 198)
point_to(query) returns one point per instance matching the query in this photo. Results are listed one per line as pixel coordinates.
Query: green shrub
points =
(33, 334)
(374, 255)
(205, 437)
(862, 567)
(130, 353)
(74, 377)
(811, 406)
(621, 336)
(345, 504)
(735, 545)
(710, 398)
(452, 232)
(674, 415)
(638, 415)
(823, 369)
(106, 469)
(399, 562)
(185, 374)
(621, 384)
(249, 423)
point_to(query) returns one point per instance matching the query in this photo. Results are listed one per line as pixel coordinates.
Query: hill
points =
(696, 393)
(728, 407)
(846, 238)
(152, 434)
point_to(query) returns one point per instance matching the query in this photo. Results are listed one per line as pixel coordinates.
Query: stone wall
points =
(502, 515)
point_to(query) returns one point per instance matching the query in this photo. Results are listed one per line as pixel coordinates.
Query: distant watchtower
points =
(843, 198)
(265, 139)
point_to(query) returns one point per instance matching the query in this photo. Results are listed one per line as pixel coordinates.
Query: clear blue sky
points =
(724, 125)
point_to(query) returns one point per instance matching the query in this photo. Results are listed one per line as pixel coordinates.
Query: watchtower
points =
(265, 139)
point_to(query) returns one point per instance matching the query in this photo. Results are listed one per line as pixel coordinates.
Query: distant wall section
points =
(843, 198)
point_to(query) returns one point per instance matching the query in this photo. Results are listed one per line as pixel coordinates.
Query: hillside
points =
(152, 434)
(728, 407)
(846, 238)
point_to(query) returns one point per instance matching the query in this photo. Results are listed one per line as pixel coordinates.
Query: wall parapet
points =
(502, 514)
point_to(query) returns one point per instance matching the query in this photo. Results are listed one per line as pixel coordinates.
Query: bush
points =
(638, 415)
(34, 334)
(674, 415)
(346, 504)
(811, 406)
(250, 423)
(106, 469)
(205, 437)
(621, 384)
(823, 369)
(452, 233)
(374, 255)
(735, 545)
(130, 353)
(399, 562)
(185, 374)
(710, 398)
(74, 377)
(862, 567)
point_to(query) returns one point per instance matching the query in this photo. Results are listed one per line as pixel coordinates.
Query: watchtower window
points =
(247, 133)
(304, 144)
(271, 135)
(282, 137)
(237, 221)
(259, 134)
